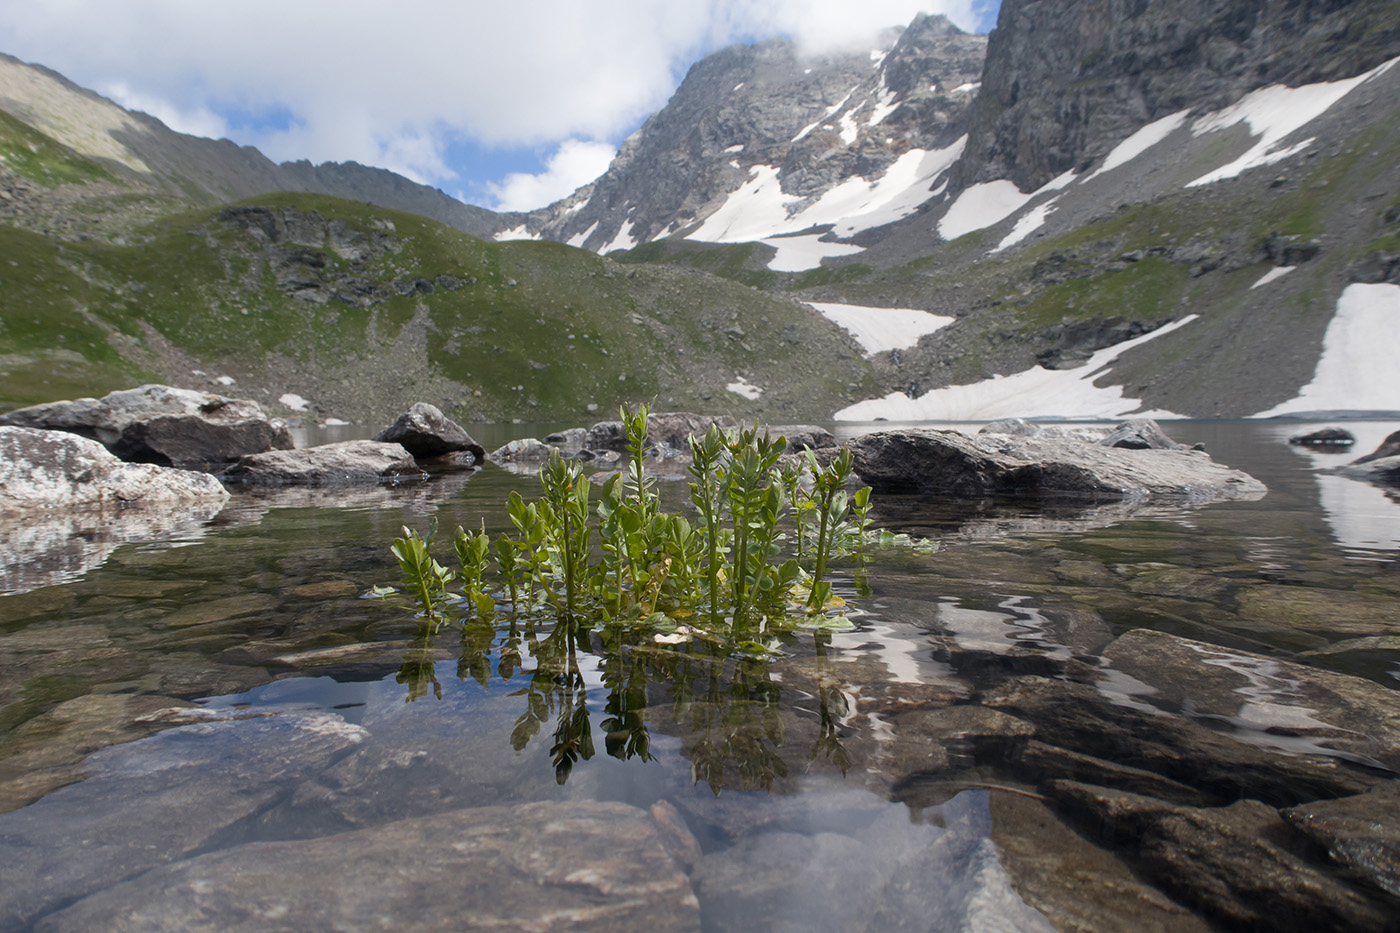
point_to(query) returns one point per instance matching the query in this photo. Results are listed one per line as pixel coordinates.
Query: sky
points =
(507, 105)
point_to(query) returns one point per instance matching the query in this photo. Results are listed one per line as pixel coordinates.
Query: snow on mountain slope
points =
(880, 329)
(1036, 392)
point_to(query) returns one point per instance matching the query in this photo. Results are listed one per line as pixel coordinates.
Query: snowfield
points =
(880, 329)
(1035, 392)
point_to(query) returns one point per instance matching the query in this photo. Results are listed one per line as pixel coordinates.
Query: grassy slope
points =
(545, 330)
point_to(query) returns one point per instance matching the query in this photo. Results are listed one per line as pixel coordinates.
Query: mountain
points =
(1185, 207)
(136, 152)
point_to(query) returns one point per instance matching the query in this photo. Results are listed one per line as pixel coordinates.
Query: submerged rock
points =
(1231, 862)
(164, 425)
(57, 470)
(539, 866)
(1044, 466)
(348, 463)
(424, 431)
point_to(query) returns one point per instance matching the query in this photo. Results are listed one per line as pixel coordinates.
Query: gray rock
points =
(1139, 434)
(1046, 466)
(164, 425)
(1086, 721)
(348, 463)
(57, 470)
(522, 450)
(803, 436)
(1361, 833)
(538, 866)
(1325, 437)
(1018, 427)
(424, 431)
(664, 429)
(1332, 713)
(1231, 862)
(154, 801)
(571, 439)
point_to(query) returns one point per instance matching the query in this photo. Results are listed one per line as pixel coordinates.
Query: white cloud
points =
(199, 121)
(576, 162)
(398, 86)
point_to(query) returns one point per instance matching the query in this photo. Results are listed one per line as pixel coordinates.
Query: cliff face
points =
(815, 121)
(1065, 81)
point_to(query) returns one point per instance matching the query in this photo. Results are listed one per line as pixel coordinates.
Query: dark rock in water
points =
(664, 429)
(54, 469)
(424, 431)
(1325, 437)
(1017, 427)
(1046, 466)
(803, 436)
(1390, 447)
(1140, 434)
(348, 463)
(1231, 862)
(1381, 465)
(1362, 833)
(164, 425)
(574, 865)
(1351, 717)
(1084, 720)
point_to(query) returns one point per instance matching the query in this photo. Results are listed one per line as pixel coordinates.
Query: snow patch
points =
(293, 401)
(225, 380)
(521, 232)
(966, 88)
(578, 238)
(799, 253)
(334, 423)
(759, 209)
(832, 111)
(1138, 143)
(741, 387)
(880, 329)
(1277, 272)
(1357, 369)
(884, 106)
(1035, 392)
(849, 130)
(623, 240)
(739, 85)
(1026, 225)
(981, 206)
(738, 148)
(1273, 113)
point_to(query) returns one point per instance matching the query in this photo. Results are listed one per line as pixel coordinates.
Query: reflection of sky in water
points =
(1360, 515)
(1021, 626)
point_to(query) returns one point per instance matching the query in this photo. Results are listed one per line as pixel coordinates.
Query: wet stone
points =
(1360, 833)
(1336, 713)
(1316, 609)
(1233, 863)
(576, 866)
(153, 801)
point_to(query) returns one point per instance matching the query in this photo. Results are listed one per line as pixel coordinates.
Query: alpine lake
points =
(1072, 718)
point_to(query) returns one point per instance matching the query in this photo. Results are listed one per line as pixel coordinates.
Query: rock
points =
(664, 429)
(1381, 465)
(577, 865)
(523, 450)
(803, 436)
(1389, 448)
(1018, 427)
(57, 470)
(1328, 712)
(571, 439)
(348, 463)
(1231, 862)
(424, 431)
(1140, 434)
(1045, 466)
(153, 801)
(1084, 720)
(1325, 437)
(1362, 833)
(164, 425)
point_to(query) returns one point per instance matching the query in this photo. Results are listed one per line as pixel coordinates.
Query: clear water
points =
(254, 619)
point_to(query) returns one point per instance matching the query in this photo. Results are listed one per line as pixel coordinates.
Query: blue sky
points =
(510, 106)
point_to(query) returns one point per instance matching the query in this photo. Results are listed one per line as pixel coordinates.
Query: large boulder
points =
(348, 463)
(1048, 465)
(664, 429)
(57, 470)
(425, 431)
(164, 425)
(1381, 465)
